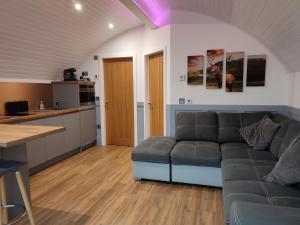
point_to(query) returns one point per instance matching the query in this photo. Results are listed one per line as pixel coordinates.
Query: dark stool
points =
(9, 166)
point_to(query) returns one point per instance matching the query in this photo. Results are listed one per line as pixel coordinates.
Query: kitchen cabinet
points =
(80, 130)
(88, 127)
(72, 133)
(56, 143)
(36, 152)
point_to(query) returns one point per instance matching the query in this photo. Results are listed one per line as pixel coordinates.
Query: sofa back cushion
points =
(250, 118)
(229, 127)
(278, 137)
(291, 133)
(196, 126)
(231, 123)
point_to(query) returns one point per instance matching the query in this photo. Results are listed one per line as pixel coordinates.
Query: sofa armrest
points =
(249, 213)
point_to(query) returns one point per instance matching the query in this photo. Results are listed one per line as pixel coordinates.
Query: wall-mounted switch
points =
(95, 57)
(189, 101)
(181, 101)
(182, 77)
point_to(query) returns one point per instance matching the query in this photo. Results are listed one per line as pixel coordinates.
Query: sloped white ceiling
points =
(276, 23)
(39, 38)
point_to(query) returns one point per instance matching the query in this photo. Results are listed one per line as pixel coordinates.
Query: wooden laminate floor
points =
(96, 187)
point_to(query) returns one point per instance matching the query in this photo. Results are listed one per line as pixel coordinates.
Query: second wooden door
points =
(118, 85)
(156, 94)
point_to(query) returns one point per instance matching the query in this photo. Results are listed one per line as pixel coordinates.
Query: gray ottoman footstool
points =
(197, 162)
(151, 159)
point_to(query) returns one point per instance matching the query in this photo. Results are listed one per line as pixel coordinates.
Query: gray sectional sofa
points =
(209, 150)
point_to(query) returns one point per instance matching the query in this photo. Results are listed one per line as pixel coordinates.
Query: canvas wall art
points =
(234, 71)
(214, 71)
(195, 70)
(256, 70)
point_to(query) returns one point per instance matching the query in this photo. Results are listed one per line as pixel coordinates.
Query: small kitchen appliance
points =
(16, 108)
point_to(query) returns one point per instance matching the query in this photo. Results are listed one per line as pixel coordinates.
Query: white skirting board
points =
(151, 171)
(210, 176)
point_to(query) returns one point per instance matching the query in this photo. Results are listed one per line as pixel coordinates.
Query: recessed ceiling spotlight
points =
(111, 26)
(78, 6)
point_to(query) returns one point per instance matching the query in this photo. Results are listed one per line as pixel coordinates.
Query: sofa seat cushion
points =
(234, 151)
(259, 192)
(154, 149)
(286, 201)
(261, 155)
(244, 191)
(248, 213)
(276, 190)
(198, 153)
(243, 151)
(248, 162)
(244, 172)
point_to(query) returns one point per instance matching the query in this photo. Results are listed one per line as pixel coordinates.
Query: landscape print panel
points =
(234, 71)
(214, 71)
(195, 70)
(256, 70)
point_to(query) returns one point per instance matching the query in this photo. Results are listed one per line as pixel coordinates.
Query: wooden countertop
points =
(34, 115)
(13, 134)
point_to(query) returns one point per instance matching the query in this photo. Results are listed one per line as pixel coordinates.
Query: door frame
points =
(132, 55)
(146, 55)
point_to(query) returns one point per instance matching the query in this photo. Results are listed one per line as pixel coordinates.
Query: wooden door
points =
(156, 94)
(118, 85)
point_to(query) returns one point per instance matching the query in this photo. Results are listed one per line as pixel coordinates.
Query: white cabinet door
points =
(72, 133)
(88, 126)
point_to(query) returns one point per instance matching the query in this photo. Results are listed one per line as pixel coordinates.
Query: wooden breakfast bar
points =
(13, 139)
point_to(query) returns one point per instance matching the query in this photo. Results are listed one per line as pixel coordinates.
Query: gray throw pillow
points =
(287, 169)
(260, 134)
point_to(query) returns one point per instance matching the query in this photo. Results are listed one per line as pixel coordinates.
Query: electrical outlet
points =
(181, 101)
(189, 101)
(182, 77)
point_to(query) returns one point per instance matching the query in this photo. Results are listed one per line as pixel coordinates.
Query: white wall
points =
(295, 97)
(138, 41)
(194, 39)
(198, 34)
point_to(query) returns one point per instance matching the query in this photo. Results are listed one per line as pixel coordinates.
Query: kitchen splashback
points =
(32, 92)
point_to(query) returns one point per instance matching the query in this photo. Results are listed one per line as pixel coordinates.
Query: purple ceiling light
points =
(154, 11)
